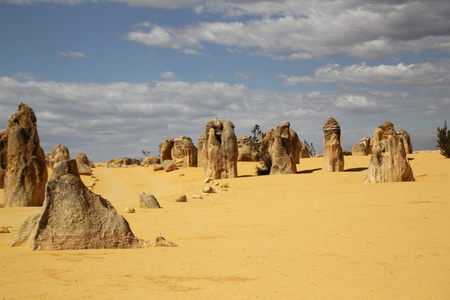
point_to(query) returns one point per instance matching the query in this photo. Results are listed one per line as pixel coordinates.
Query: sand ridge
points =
(308, 235)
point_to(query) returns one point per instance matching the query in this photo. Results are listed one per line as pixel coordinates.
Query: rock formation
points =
(363, 148)
(75, 218)
(201, 154)
(148, 201)
(406, 140)
(83, 164)
(184, 153)
(169, 165)
(165, 149)
(245, 152)
(59, 153)
(299, 149)
(26, 171)
(281, 151)
(3, 156)
(150, 160)
(333, 155)
(388, 162)
(221, 150)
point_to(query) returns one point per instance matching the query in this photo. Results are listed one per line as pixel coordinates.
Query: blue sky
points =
(112, 78)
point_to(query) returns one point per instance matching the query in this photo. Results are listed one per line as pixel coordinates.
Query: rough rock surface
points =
(180, 198)
(299, 149)
(245, 152)
(388, 162)
(221, 150)
(74, 218)
(201, 154)
(363, 148)
(148, 201)
(150, 160)
(165, 149)
(169, 165)
(59, 153)
(184, 153)
(119, 162)
(3, 156)
(26, 171)
(406, 140)
(281, 151)
(333, 155)
(83, 164)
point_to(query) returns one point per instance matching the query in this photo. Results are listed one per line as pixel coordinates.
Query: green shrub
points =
(261, 149)
(443, 141)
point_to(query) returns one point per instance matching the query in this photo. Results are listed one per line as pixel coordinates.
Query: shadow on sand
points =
(309, 171)
(356, 169)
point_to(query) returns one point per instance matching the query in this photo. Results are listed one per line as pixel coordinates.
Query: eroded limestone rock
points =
(333, 155)
(184, 153)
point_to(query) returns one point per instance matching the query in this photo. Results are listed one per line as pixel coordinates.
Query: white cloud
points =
(72, 54)
(169, 75)
(402, 75)
(23, 76)
(112, 120)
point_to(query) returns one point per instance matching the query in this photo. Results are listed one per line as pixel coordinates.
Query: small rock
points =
(215, 183)
(148, 201)
(224, 189)
(207, 180)
(208, 190)
(130, 210)
(181, 175)
(197, 196)
(180, 198)
(224, 185)
(4, 229)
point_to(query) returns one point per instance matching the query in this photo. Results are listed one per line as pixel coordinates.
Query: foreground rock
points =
(26, 170)
(363, 148)
(184, 153)
(75, 218)
(59, 153)
(221, 150)
(150, 160)
(388, 162)
(333, 155)
(3, 156)
(281, 151)
(148, 201)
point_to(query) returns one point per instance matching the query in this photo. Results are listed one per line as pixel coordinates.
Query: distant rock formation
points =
(26, 171)
(363, 148)
(245, 152)
(184, 153)
(281, 150)
(165, 149)
(150, 160)
(3, 156)
(59, 153)
(169, 165)
(221, 150)
(201, 154)
(333, 155)
(299, 150)
(388, 162)
(119, 162)
(83, 164)
(406, 140)
(75, 218)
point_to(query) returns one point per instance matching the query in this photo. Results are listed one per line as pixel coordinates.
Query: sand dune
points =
(304, 236)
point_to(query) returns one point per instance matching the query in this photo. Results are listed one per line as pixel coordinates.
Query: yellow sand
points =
(304, 236)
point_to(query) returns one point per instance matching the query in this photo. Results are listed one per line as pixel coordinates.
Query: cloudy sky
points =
(113, 78)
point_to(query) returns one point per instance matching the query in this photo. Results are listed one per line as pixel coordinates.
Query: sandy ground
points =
(304, 236)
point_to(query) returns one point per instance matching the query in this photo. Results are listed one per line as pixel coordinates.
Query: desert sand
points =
(304, 236)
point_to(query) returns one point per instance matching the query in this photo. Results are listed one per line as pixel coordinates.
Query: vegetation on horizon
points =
(261, 149)
(310, 147)
(443, 141)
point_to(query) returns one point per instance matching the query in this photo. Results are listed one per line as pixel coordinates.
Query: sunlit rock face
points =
(333, 155)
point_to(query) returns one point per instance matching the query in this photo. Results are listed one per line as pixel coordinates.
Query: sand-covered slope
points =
(308, 235)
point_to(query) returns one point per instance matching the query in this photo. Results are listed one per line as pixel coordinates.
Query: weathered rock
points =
(201, 155)
(120, 162)
(208, 190)
(221, 150)
(83, 164)
(245, 152)
(406, 140)
(26, 171)
(59, 153)
(333, 155)
(4, 229)
(363, 148)
(184, 153)
(180, 198)
(150, 160)
(157, 167)
(169, 165)
(197, 196)
(281, 151)
(388, 162)
(165, 149)
(3, 156)
(74, 218)
(129, 210)
(299, 149)
(148, 201)
(159, 242)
